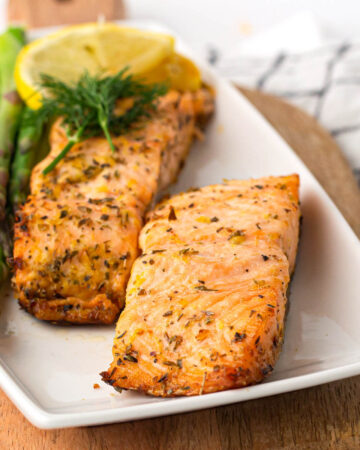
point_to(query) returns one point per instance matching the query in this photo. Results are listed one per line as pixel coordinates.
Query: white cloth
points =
(293, 61)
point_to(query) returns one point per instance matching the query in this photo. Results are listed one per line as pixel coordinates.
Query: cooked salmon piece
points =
(76, 237)
(206, 300)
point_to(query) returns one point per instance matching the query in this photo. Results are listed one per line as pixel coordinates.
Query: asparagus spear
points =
(18, 33)
(6, 232)
(4, 270)
(10, 106)
(26, 155)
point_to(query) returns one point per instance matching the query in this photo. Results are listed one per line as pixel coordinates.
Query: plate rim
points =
(44, 419)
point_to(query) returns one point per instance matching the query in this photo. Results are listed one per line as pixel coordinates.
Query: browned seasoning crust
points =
(206, 300)
(77, 235)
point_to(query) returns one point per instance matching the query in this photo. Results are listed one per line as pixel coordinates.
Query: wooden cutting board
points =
(44, 13)
(324, 417)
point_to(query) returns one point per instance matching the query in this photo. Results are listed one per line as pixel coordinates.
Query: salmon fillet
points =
(206, 300)
(76, 237)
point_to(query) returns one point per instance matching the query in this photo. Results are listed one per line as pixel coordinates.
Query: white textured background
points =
(200, 21)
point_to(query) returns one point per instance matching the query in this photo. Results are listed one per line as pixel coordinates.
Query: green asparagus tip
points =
(18, 33)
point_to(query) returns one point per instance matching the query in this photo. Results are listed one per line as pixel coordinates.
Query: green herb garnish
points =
(89, 106)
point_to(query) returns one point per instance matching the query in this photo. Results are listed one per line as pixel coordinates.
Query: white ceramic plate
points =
(49, 371)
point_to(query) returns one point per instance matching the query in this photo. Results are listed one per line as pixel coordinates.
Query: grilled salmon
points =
(76, 237)
(206, 300)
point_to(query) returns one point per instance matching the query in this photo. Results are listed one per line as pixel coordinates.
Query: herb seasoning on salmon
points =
(214, 314)
(76, 237)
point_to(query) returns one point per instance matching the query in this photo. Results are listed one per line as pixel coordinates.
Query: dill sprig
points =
(88, 107)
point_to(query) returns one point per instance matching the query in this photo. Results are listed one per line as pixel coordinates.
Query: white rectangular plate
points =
(49, 371)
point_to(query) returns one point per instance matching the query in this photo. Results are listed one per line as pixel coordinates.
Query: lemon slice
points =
(179, 72)
(97, 48)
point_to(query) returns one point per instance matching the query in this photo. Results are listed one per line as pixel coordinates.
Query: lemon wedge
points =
(177, 71)
(97, 48)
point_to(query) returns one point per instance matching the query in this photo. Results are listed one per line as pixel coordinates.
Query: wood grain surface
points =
(323, 417)
(42, 13)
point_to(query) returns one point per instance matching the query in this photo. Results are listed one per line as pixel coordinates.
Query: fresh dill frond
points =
(88, 107)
